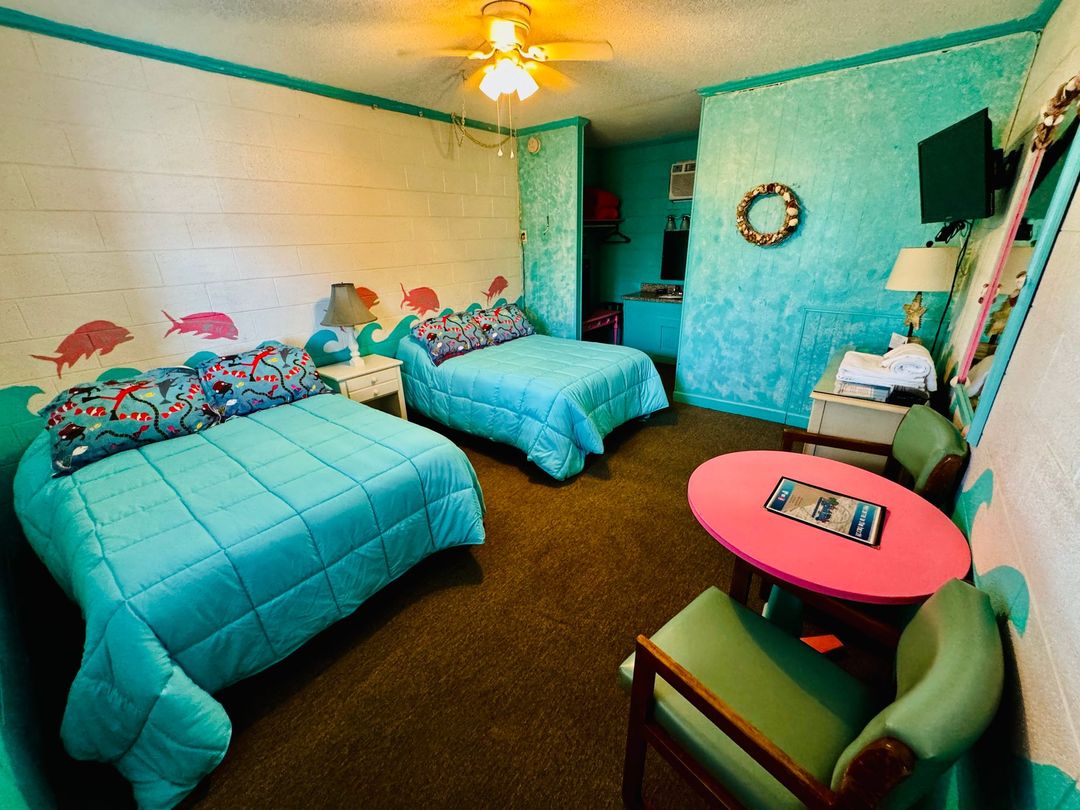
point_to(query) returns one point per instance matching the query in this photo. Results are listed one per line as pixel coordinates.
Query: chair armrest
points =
(793, 436)
(650, 661)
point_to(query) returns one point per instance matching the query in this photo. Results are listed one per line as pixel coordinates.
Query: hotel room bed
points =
(201, 560)
(553, 398)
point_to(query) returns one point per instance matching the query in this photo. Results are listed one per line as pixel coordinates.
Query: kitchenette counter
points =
(659, 299)
(653, 329)
(658, 293)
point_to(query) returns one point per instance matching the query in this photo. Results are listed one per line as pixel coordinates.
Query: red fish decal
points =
(420, 300)
(498, 285)
(369, 297)
(99, 337)
(209, 325)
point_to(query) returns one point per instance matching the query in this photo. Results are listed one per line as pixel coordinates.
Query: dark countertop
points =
(651, 298)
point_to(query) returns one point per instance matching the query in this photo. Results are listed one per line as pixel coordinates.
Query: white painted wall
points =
(1032, 446)
(129, 186)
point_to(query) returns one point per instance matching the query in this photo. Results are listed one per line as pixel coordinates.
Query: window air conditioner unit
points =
(682, 180)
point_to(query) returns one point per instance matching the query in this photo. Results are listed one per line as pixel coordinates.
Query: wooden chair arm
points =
(650, 661)
(793, 436)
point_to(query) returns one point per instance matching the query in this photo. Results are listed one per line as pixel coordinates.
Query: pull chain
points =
(498, 122)
(510, 122)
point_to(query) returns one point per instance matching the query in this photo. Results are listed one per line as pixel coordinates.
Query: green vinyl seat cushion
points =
(923, 438)
(800, 700)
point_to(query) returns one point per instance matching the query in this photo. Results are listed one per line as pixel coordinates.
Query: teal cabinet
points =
(653, 327)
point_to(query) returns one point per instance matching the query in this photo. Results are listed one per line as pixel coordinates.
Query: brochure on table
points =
(827, 510)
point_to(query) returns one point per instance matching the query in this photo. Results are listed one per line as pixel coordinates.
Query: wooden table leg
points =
(740, 581)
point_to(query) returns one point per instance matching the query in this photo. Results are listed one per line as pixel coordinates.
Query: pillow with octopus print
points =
(93, 420)
(446, 336)
(269, 375)
(504, 323)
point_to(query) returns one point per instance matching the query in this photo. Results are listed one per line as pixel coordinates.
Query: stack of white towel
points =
(908, 366)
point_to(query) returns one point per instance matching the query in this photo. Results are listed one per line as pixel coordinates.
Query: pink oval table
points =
(920, 548)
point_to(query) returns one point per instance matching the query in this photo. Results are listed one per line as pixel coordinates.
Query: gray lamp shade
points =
(346, 308)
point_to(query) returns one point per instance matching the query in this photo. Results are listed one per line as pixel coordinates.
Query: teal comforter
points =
(201, 560)
(556, 399)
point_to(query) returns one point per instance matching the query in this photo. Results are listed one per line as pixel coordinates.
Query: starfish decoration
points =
(913, 313)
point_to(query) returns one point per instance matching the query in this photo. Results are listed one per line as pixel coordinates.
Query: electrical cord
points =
(967, 226)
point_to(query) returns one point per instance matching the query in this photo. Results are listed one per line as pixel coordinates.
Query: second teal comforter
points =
(556, 399)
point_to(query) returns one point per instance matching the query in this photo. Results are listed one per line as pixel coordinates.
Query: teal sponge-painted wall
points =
(550, 188)
(638, 174)
(760, 323)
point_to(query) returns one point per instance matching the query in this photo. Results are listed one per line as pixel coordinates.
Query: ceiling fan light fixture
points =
(503, 34)
(506, 77)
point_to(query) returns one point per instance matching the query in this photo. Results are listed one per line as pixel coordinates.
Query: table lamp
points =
(347, 311)
(919, 270)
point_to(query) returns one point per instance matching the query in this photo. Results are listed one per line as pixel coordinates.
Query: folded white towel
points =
(910, 360)
(868, 369)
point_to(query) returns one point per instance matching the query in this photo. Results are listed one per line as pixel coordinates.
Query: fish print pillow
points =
(93, 420)
(447, 336)
(269, 375)
(501, 324)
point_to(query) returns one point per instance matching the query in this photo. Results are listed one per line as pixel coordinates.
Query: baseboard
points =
(740, 408)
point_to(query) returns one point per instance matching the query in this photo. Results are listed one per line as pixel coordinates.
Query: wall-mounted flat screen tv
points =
(956, 171)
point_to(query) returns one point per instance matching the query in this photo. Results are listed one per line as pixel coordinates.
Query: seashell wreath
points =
(792, 212)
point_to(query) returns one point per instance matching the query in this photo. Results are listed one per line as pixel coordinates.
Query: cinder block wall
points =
(130, 186)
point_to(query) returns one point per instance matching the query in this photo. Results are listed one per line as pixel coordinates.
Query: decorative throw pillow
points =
(446, 336)
(501, 324)
(269, 375)
(93, 420)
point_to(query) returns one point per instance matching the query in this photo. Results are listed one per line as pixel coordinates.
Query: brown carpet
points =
(485, 677)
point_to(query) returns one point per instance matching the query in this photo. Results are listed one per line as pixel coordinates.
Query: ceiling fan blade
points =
(450, 53)
(571, 52)
(549, 78)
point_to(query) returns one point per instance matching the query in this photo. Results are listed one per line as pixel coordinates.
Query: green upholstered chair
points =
(753, 717)
(928, 453)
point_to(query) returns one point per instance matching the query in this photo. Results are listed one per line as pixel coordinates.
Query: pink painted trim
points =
(1018, 205)
(921, 549)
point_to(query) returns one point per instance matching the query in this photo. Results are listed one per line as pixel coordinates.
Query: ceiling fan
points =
(512, 61)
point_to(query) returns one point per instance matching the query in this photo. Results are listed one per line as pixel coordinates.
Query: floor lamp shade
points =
(348, 311)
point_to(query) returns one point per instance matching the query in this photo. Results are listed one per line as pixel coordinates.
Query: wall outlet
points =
(524, 236)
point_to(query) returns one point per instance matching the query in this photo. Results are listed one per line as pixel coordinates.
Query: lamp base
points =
(356, 360)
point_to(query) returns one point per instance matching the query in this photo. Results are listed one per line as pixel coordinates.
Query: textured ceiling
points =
(663, 51)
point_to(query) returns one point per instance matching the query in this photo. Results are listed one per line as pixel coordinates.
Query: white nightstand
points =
(851, 417)
(377, 383)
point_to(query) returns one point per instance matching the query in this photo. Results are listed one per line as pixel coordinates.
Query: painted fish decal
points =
(420, 300)
(369, 297)
(96, 336)
(498, 285)
(209, 325)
